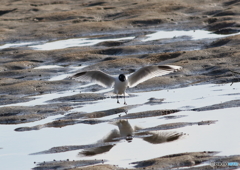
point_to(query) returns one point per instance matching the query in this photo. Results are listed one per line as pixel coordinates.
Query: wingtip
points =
(79, 74)
(170, 67)
(68, 78)
(173, 67)
(75, 76)
(177, 68)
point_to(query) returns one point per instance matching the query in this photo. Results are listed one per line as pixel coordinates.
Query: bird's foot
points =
(118, 102)
(125, 103)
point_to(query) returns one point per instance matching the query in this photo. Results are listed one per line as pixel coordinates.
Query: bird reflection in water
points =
(127, 132)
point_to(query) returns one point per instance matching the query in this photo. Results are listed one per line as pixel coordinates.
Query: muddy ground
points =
(214, 61)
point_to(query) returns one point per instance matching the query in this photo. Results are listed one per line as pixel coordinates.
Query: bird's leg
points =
(124, 99)
(117, 98)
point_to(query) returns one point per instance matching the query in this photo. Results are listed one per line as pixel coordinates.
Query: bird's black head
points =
(122, 77)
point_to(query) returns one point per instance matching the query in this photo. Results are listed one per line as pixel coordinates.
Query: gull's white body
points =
(125, 128)
(120, 87)
(121, 82)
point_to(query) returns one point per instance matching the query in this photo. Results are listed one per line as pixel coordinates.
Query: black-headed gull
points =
(121, 82)
(127, 132)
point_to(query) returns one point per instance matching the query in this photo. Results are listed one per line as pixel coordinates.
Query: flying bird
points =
(121, 82)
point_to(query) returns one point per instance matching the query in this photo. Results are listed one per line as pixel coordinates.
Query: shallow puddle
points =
(80, 42)
(220, 136)
(14, 45)
(193, 34)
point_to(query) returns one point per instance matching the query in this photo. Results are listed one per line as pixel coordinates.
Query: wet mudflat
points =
(184, 120)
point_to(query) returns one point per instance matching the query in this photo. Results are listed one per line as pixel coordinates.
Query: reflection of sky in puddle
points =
(71, 70)
(48, 67)
(80, 42)
(14, 45)
(220, 136)
(61, 44)
(195, 35)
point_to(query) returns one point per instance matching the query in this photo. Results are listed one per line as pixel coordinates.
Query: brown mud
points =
(203, 61)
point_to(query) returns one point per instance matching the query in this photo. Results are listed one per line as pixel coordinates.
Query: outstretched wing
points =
(156, 137)
(149, 72)
(98, 77)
